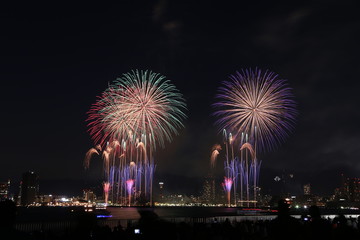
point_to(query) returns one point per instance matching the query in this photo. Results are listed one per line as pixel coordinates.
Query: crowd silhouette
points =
(151, 226)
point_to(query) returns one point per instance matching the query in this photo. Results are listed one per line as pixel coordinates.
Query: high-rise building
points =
(161, 192)
(29, 188)
(4, 190)
(208, 192)
(89, 195)
(307, 189)
(352, 189)
(340, 193)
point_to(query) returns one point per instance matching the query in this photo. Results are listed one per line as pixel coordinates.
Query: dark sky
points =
(55, 60)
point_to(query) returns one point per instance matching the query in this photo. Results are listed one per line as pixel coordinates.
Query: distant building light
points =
(277, 179)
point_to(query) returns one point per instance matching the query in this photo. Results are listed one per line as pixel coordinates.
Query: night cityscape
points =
(180, 120)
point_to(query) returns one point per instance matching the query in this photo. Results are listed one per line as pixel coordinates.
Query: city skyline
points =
(57, 59)
(346, 195)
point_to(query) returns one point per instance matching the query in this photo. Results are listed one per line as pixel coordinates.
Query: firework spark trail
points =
(244, 170)
(117, 184)
(227, 184)
(132, 169)
(139, 174)
(124, 176)
(225, 139)
(143, 149)
(259, 109)
(242, 173)
(136, 113)
(129, 187)
(88, 157)
(106, 188)
(106, 158)
(250, 170)
(254, 174)
(232, 171)
(215, 152)
(214, 155)
(150, 176)
(235, 175)
(258, 166)
(112, 180)
(248, 147)
(231, 139)
(259, 104)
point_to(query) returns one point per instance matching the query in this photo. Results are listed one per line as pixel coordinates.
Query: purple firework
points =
(256, 103)
(227, 184)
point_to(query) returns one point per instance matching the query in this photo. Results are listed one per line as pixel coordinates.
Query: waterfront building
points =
(4, 190)
(29, 188)
(307, 189)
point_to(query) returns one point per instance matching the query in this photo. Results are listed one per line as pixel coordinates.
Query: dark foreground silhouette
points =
(150, 226)
(7, 222)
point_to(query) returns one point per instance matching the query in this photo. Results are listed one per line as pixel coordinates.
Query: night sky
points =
(56, 59)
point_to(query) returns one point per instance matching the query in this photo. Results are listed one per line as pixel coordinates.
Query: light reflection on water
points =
(184, 213)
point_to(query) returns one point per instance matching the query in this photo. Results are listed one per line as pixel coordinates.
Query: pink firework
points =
(129, 187)
(106, 188)
(227, 184)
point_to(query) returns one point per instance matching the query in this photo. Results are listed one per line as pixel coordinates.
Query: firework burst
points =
(259, 104)
(140, 104)
(136, 113)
